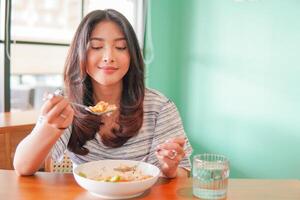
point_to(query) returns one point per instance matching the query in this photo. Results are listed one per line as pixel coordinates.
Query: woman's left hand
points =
(170, 154)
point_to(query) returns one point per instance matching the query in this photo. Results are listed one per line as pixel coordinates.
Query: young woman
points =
(104, 63)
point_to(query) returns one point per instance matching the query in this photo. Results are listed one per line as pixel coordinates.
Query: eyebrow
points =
(102, 39)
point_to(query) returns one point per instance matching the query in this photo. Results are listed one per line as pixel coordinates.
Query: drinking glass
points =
(210, 176)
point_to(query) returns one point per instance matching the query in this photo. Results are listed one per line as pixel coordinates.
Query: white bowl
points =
(115, 190)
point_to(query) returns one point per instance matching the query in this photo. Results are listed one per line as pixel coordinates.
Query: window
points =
(45, 20)
(41, 31)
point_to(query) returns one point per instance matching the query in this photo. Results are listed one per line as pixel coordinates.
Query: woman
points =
(105, 63)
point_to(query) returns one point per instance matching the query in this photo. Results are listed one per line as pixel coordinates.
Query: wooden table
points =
(14, 126)
(63, 186)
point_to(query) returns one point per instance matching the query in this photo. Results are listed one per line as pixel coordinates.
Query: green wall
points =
(233, 69)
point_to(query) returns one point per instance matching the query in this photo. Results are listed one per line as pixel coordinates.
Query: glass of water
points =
(210, 176)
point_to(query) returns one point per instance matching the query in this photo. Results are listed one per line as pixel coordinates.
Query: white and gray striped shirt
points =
(161, 122)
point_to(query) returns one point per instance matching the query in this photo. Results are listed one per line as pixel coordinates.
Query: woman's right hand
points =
(57, 112)
(57, 115)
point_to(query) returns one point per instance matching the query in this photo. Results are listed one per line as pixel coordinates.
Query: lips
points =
(108, 69)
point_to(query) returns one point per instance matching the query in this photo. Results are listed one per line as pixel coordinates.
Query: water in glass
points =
(210, 176)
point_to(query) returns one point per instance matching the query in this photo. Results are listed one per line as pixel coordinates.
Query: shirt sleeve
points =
(60, 147)
(169, 125)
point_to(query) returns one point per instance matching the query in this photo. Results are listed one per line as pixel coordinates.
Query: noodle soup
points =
(116, 179)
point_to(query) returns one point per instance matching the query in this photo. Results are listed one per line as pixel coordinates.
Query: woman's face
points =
(108, 56)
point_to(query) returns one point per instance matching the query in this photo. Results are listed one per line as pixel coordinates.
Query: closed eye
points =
(121, 48)
(96, 47)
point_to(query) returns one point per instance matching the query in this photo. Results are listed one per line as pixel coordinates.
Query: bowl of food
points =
(116, 179)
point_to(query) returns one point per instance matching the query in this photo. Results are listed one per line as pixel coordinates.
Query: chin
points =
(107, 82)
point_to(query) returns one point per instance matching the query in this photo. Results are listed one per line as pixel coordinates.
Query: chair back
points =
(63, 167)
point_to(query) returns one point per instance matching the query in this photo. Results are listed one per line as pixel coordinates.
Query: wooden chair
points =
(64, 167)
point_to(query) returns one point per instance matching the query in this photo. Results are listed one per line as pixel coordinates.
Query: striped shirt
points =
(161, 122)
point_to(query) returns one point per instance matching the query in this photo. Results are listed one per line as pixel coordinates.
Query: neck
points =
(110, 94)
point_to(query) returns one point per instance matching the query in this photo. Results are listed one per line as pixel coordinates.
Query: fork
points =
(139, 162)
(60, 92)
(90, 110)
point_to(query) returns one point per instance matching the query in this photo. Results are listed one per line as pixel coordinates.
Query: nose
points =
(108, 56)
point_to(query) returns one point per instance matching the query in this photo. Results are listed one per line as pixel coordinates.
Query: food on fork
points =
(103, 106)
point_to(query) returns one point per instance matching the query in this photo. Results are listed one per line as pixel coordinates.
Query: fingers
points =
(67, 115)
(51, 101)
(179, 140)
(57, 111)
(166, 162)
(169, 149)
(173, 146)
(171, 153)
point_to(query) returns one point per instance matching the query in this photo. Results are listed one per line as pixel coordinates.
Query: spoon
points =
(132, 168)
(59, 92)
(87, 108)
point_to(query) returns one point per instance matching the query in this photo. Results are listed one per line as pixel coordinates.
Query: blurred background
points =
(230, 66)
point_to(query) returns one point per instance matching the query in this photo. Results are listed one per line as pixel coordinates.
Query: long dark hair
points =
(79, 87)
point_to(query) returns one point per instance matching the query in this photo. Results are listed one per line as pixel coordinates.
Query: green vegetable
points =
(82, 174)
(115, 178)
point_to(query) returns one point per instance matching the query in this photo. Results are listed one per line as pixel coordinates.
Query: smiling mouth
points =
(108, 68)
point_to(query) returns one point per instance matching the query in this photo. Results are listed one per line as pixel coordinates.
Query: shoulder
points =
(154, 100)
(155, 96)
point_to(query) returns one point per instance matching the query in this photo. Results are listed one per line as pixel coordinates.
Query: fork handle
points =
(79, 105)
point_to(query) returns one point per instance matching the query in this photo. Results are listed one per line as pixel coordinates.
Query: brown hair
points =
(79, 88)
